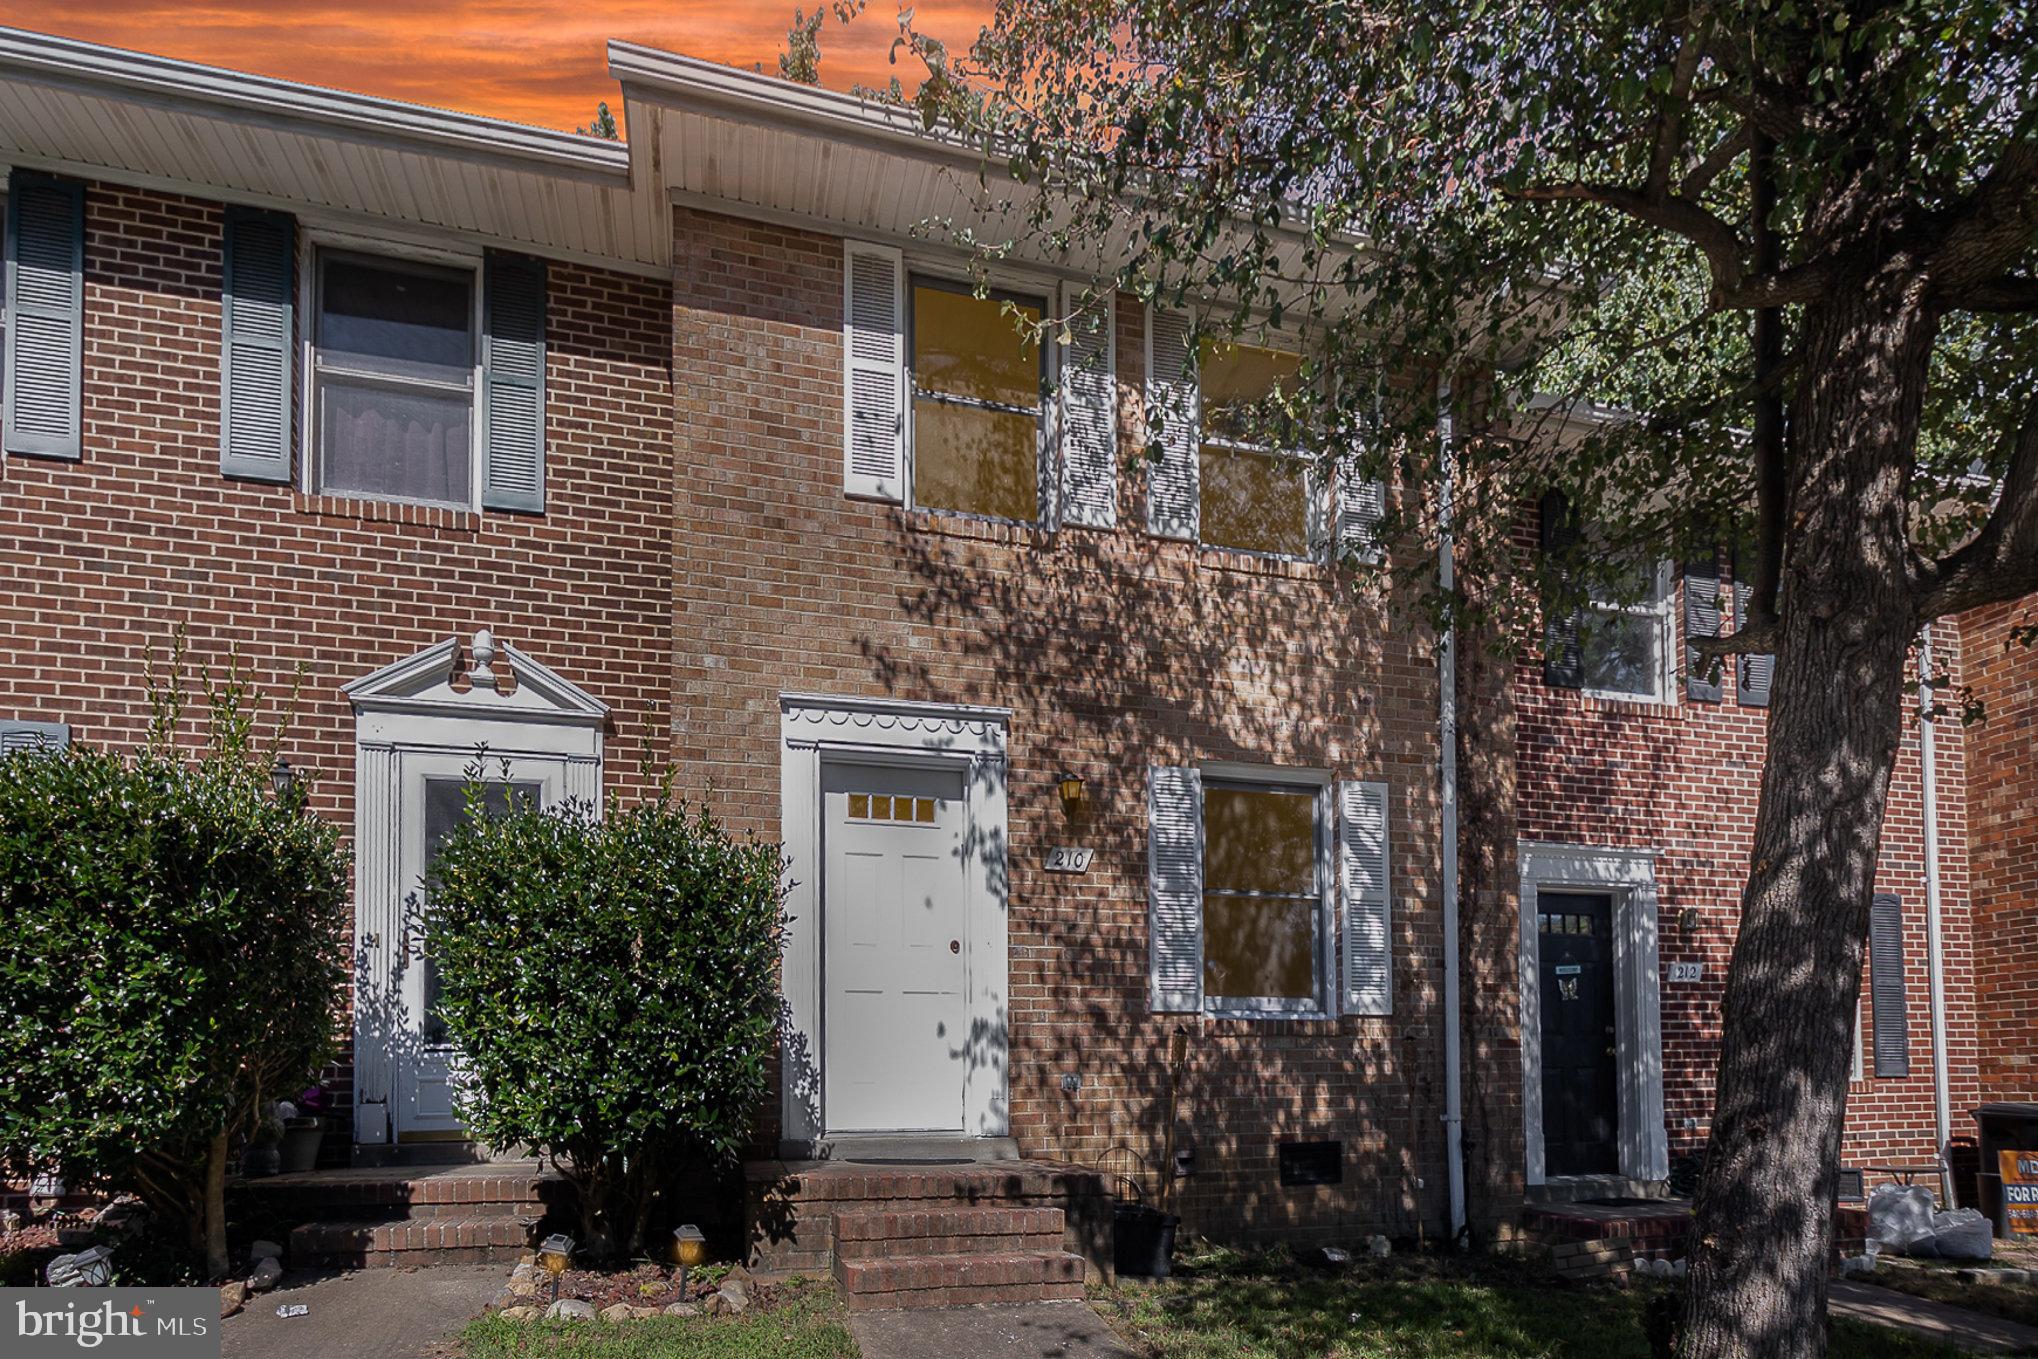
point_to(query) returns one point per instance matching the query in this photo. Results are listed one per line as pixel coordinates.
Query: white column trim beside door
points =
(1629, 876)
(818, 727)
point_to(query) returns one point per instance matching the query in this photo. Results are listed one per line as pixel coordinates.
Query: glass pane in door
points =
(445, 809)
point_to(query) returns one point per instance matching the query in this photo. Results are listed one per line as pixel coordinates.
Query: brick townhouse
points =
(1105, 791)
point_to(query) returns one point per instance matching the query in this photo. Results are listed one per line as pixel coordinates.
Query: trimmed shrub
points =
(611, 984)
(171, 960)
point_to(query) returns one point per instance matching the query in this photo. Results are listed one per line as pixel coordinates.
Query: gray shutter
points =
(1703, 680)
(1089, 414)
(1563, 662)
(19, 738)
(45, 315)
(513, 384)
(874, 371)
(1751, 673)
(259, 283)
(1886, 985)
(1174, 809)
(1174, 495)
(1368, 907)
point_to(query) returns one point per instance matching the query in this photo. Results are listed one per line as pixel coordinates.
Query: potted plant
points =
(263, 1155)
(303, 1130)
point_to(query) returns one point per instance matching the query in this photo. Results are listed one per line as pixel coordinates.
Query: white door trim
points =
(814, 728)
(427, 705)
(1629, 876)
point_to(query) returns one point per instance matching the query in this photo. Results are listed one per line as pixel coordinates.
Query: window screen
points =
(394, 380)
(977, 403)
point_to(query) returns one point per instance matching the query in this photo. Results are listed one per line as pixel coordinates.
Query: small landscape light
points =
(689, 1249)
(554, 1253)
(282, 778)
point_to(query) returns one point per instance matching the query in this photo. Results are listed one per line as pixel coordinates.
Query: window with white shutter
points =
(45, 301)
(1089, 411)
(977, 440)
(258, 296)
(1363, 870)
(1174, 814)
(513, 384)
(1173, 492)
(873, 380)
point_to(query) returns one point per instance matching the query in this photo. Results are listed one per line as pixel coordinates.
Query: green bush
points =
(171, 958)
(612, 986)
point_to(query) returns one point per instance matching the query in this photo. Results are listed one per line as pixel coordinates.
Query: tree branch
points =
(1761, 639)
(1670, 121)
(1715, 239)
(1771, 475)
(2007, 292)
(1993, 228)
(2001, 562)
(1714, 164)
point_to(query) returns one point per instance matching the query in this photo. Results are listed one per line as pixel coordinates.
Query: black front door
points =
(1581, 1089)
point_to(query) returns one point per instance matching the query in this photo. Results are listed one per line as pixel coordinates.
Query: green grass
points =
(1935, 1279)
(805, 1324)
(1227, 1306)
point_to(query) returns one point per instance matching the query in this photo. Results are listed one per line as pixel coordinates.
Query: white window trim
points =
(1660, 609)
(1285, 780)
(312, 243)
(1318, 512)
(1629, 876)
(942, 273)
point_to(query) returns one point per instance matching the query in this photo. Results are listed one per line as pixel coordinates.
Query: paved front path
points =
(367, 1314)
(1975, 1331)
(1045, 1330)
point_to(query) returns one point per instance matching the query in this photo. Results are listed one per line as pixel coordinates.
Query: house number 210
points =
(1069, 859)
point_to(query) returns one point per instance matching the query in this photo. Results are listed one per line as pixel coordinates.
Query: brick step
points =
(959, 1280)
(465, 1190)
(871, 1233)
(404, 1241)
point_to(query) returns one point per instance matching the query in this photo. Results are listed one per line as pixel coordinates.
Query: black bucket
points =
(1144, 1240)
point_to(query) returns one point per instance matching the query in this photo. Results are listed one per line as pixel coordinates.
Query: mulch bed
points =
(649, 1285)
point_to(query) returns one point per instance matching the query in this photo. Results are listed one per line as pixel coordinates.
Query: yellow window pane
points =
(976, 461)
(969, 346)
(859, 804)
(881, 808)
(1257, 841)
(1255, 502)
(923, 810)
(1259, 948)
(1233, 376)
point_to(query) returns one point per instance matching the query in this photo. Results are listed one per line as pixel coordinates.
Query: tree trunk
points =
(1762, 1235)
(214, 1207)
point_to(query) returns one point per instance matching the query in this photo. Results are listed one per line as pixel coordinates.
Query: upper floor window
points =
(1625, 643)
(1255, 491)
(978, 381)
(393, 379)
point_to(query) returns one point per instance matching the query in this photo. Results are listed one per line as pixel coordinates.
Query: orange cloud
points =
(541, 63)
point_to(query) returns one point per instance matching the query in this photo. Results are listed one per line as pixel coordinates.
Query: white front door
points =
(896, 953)
(425, 1063)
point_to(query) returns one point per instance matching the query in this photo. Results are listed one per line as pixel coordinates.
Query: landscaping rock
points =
(503, 1298)
(268, 1273)
(570, 1309)
(10, 1221)
(1379, 1247)
(265, 1250)
(232, 1297)
(521, 1314)
(522, 1286)
(682, 1309)
(735, 1298)
(618, 1311)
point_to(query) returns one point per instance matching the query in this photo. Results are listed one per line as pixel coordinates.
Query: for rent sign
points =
(2020, 1192)
(116, 1323)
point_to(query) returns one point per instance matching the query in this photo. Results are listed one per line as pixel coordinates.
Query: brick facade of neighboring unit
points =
(1115, 650)
(1682, 779)
(103, 559)
(2002, 815)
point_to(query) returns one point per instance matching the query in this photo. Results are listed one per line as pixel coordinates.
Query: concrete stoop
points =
(400, 1217)
(908, 1236)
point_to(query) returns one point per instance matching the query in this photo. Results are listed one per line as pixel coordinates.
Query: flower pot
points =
(1143, 1240)
(261, 1159)
(301, 1138)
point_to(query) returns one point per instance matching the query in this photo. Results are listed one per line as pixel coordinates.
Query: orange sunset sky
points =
(535, 61)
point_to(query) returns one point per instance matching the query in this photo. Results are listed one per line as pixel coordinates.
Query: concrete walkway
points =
(1045, 1330)
(366, 1314)
(1974, 1331)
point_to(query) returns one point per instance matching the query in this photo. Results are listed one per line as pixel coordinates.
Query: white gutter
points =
(1447, 740)
(175, 85)
(1935, 963)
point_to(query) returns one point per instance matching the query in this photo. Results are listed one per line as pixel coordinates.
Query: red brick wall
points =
(2002, 811)
(1684, 780)
(1115, 650)
(101, 559)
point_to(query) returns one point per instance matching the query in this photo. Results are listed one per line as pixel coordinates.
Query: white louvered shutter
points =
(874, 374)
(45, 316)
(1360, 507)
(23, 738)
(258, 292)
(1368, 911)
(1173, 482)
(1089, 413)
(513, 385)
(1174, 809)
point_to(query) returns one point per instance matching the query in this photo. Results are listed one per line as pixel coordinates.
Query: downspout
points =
(1935, 963)
(1447, 744)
